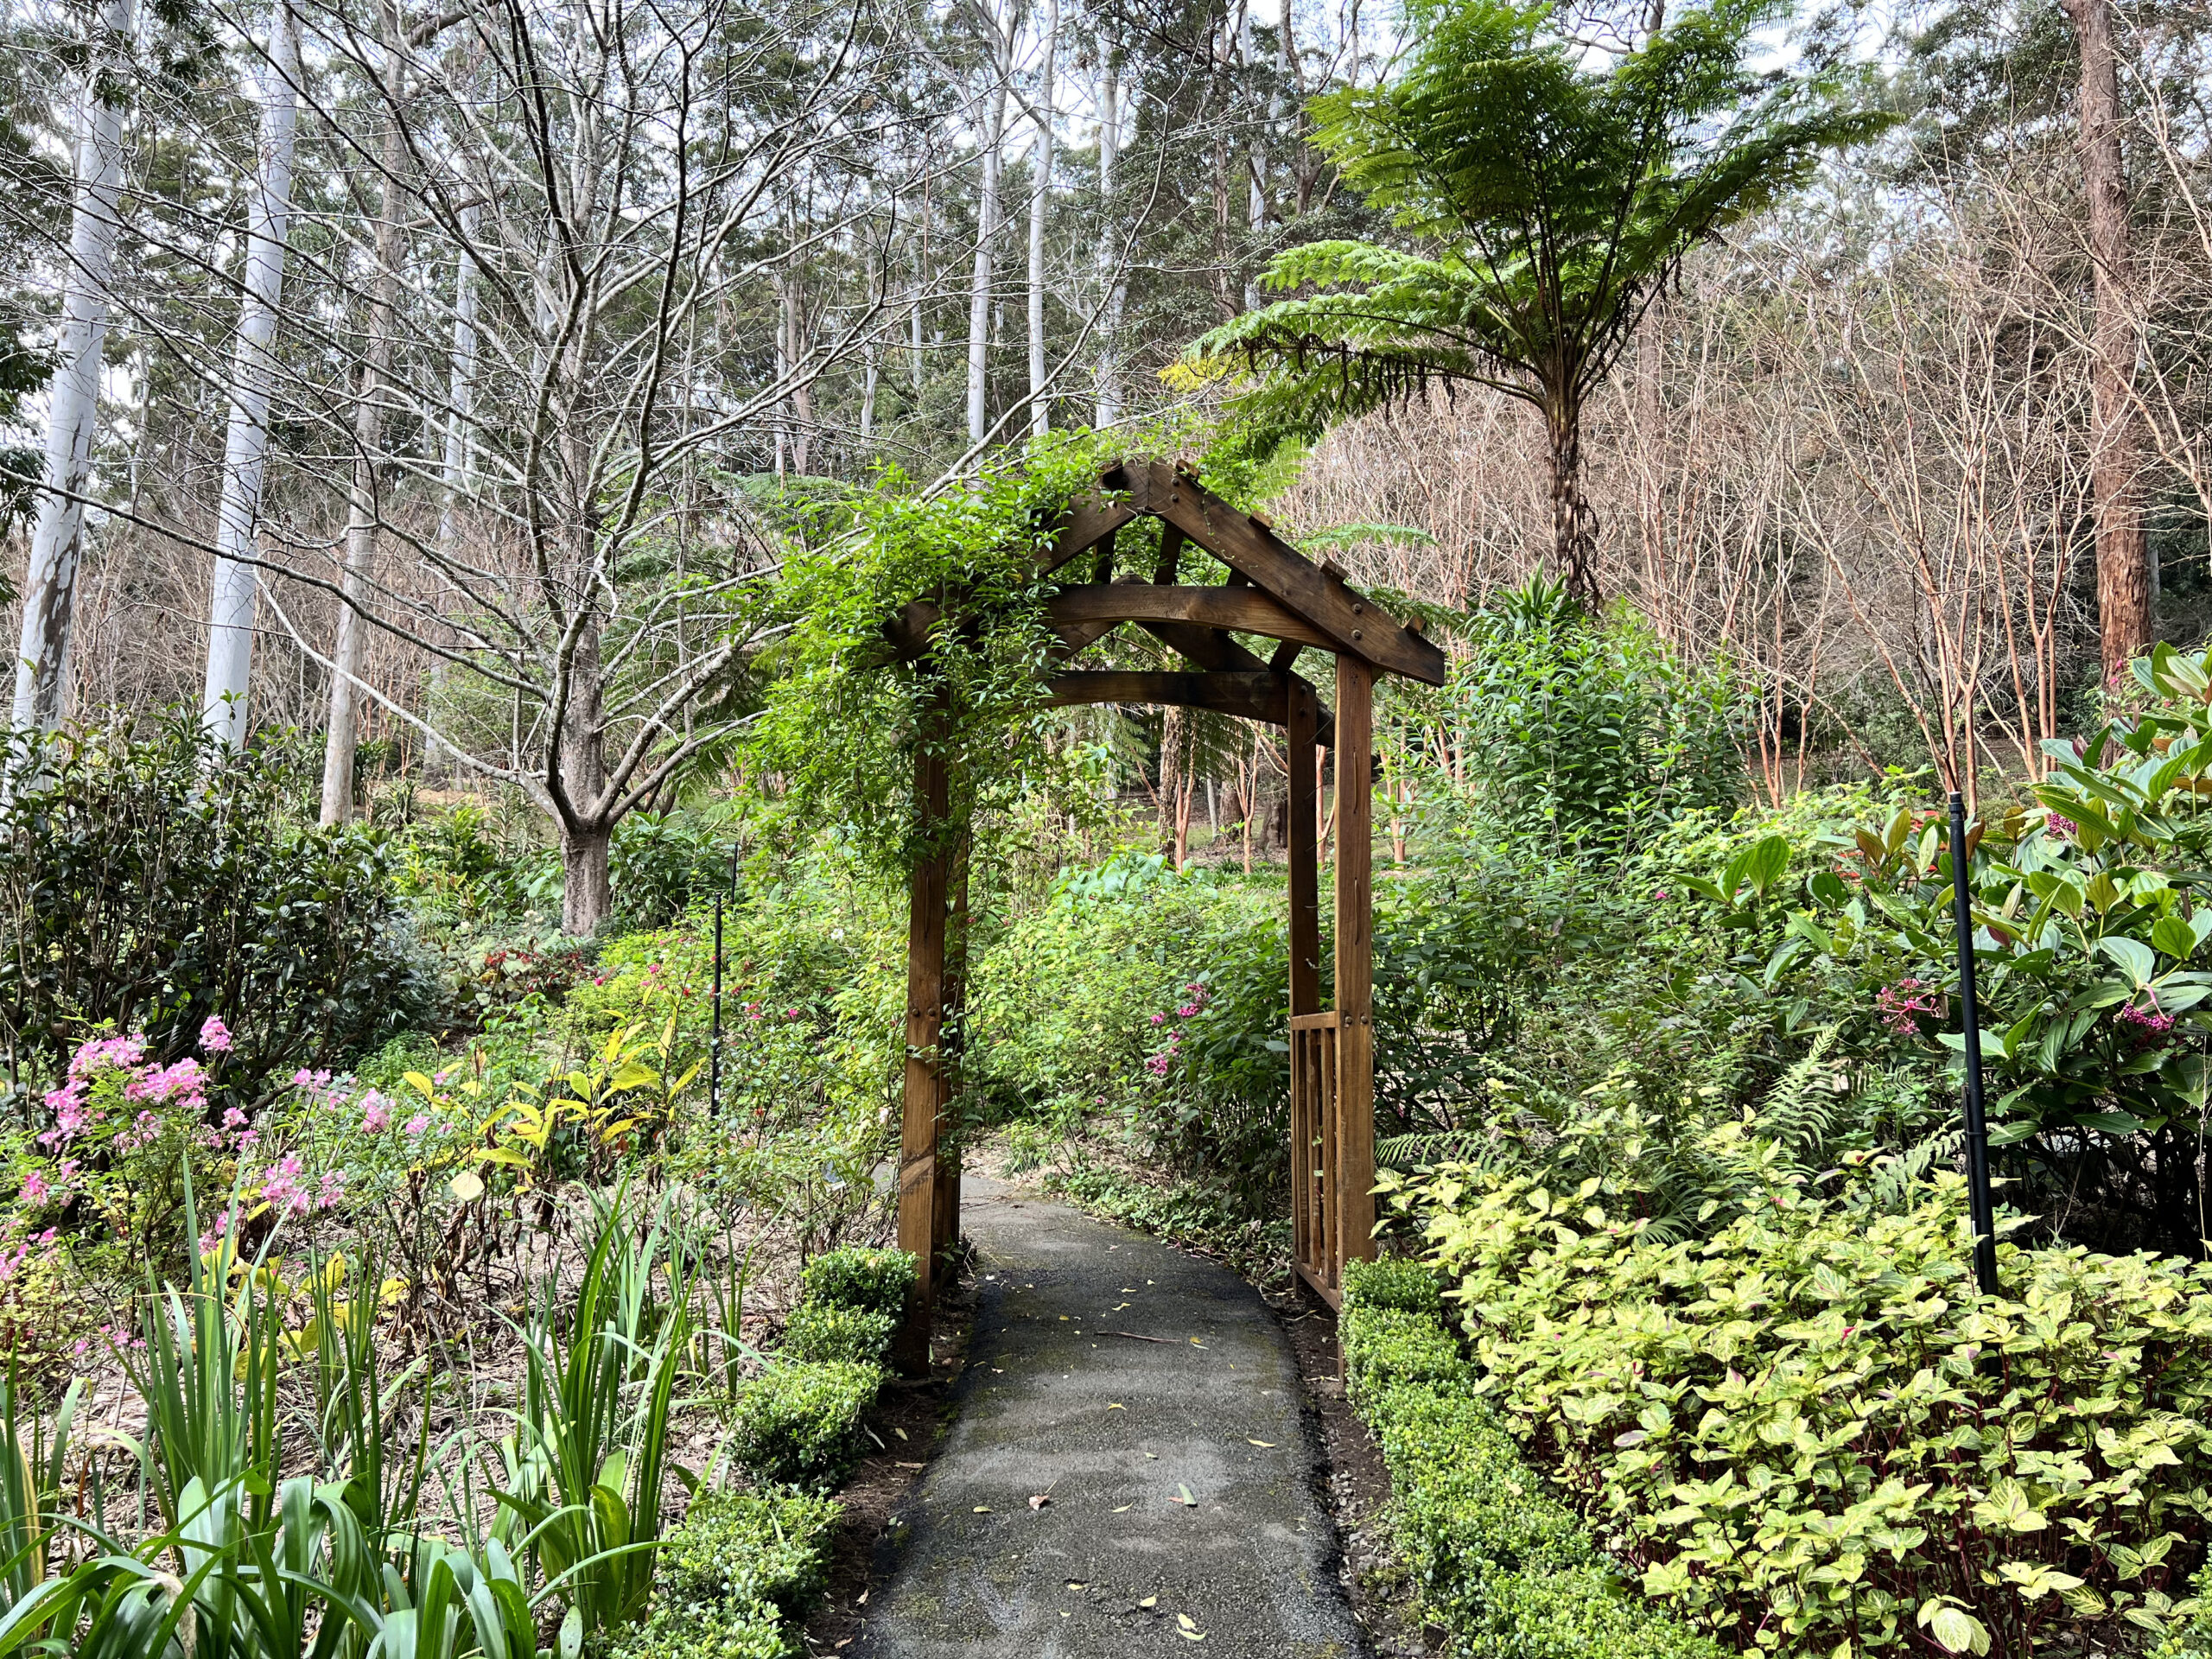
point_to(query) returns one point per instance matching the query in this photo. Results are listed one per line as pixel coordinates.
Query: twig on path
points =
(1132, 1336)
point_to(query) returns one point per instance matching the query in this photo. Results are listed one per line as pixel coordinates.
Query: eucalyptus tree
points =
(58, 536)
(1540, 199)
(245, 445)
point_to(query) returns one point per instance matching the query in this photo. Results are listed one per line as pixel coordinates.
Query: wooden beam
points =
(1240, 610)
(1251, 696)
(922, 1102)
(1305, 881)
(1171, 555)
(1355, 960)
(1352, 622)
(1090, 520)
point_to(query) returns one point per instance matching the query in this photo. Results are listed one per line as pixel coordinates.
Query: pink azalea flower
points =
(214, 1036)
(376, 1112)
(417, 1124)
(35, 1190)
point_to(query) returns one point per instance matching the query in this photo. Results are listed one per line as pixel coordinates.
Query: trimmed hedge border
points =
(1504, 1568)
(736, 1577)
(797, 1422)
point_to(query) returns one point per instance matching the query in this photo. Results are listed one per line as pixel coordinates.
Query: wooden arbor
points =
(1273, 592)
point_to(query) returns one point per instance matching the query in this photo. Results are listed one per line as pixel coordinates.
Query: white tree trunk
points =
(868, 393)
(58, 534)
(341, 740)
(246, 448)
(1108, 396)
(987, 228)
(460, 387)
(1040, 413)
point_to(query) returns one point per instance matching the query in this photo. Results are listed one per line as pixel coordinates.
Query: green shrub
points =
(1385, 1346)
(795, 1422)
(146, 887)
(1397, 1282)
(1497, 1560)
(823, 1331)
(2003, 1474)
(748, 1548)
(673, 1631)
(2192, 1639)
(1586, 734)
(874, 1281)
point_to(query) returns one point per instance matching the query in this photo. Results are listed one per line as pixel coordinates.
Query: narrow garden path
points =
(1151, 1399)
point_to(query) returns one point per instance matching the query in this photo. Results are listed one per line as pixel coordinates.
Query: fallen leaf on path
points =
(1149, 1601)
(899, 1432)
(1251, 1441)
(1124, 1509)
(1072, 1585)
(982, 1508)
(1195, 1343)
(1187, 1628)
(1183, 1497)
(1039, 1500)
(1117, 1406)
(902, 1464)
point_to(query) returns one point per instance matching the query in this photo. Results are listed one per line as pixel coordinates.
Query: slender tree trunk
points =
(341, 740)
(869, 376)
(2116, 462)
(920, 362)
(58, 533)
(588, 831)
(1040, 412)
(246, 450)
(1109, 392)
(461, 385)
(803, 393)
(1256, 198)
(1574, 526)
(987, 229)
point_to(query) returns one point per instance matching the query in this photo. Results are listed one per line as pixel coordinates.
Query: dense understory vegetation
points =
(475, 1226)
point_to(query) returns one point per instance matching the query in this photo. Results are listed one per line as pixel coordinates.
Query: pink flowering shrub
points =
(121, 1137)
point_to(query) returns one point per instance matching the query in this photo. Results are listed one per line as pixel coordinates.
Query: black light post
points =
(1981, 1209)
(715, 1042)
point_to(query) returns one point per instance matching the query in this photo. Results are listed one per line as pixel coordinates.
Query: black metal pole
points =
(715, 1042)
(1982, 1209)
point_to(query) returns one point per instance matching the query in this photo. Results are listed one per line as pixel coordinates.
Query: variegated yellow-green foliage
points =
(1808, 1431)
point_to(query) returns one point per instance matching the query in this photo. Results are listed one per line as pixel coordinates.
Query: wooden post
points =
(918, 1181)
(952, 1046)
(1305, 716)
(1355, 960)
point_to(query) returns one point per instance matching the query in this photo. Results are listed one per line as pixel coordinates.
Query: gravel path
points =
(1150, 1398)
